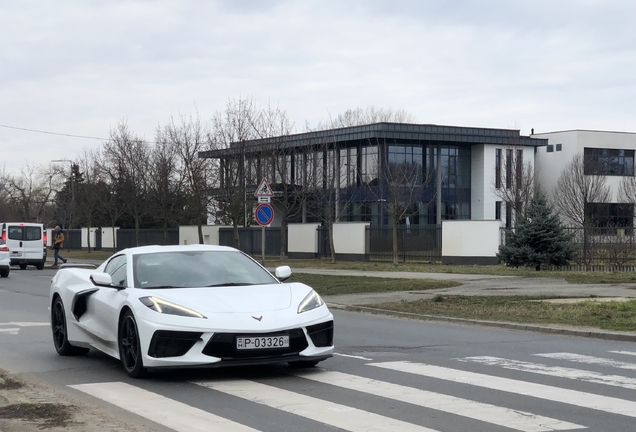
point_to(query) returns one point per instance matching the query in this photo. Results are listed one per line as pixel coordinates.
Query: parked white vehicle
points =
(27, 242)
(184, 306)
(5, 259)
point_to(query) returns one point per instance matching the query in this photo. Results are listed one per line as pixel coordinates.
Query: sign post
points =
(264, 213)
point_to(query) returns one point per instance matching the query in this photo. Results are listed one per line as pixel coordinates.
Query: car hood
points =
(234, 299)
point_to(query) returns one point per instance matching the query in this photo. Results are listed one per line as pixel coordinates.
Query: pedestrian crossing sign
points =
(264, 190)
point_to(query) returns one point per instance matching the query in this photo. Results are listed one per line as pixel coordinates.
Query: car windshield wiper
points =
(230, 284)
(161, 286)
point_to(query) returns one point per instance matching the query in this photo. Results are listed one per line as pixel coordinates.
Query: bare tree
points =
(29, 193)
(576, 189)
(166, 184)
(514, 181)
(232, 128)
(188, 139)
(368, 115)
(125, 160)
(91, 192)
(404, 183)
(285, 167)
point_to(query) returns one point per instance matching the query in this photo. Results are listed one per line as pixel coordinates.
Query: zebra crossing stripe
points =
(631, 353)
(541, 391)
(509, 418)
(330, 413)
(159, 409)
(600, 361)
(555, 371)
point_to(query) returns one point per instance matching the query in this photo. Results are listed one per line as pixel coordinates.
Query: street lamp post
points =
(72, 209)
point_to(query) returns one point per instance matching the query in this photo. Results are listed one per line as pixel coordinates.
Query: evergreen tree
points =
(538, 238)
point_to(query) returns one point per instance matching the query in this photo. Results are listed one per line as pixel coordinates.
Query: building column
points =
(438, 186)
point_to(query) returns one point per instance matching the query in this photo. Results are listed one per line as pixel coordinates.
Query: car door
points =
(32, 243)
(106, 303)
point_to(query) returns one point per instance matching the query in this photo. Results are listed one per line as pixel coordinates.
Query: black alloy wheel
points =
(130, 347)
(60, 334)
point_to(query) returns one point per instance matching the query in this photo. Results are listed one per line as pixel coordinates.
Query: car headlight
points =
(312, 301)
(166, 307)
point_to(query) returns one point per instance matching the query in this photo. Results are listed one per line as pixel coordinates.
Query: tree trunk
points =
(395, 243)
(283, 237)
(237, 242)
(332, 246)
(137, 232)
(200, 229)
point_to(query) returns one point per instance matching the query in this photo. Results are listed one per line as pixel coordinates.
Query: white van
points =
(27, 243)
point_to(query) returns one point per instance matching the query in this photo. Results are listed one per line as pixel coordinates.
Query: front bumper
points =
(181, 348)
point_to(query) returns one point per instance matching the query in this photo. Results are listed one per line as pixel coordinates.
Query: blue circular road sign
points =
(264, 214)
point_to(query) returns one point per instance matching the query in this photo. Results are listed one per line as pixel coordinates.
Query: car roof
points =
(177, 248)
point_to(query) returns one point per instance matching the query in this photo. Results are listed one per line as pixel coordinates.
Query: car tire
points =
(301, 364)
(60, 333)
(130, 347)
(4, 273)
(23, 266)
(40, 266)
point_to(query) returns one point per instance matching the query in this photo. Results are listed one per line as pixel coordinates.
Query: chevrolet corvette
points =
(158, 307)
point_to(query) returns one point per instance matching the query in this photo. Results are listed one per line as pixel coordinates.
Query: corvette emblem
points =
(258, 318)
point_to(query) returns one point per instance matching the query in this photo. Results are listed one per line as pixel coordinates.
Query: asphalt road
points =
(389, 374)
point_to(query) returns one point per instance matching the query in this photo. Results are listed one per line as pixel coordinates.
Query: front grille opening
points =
(321, 334)
(167, 343)
(223, 345)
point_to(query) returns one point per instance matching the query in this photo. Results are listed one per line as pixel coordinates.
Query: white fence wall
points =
(470, 241)
(302, 239)
(189, 234)
(350, 237)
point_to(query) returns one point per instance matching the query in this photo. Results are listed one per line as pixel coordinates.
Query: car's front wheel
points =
(130, 347)
(60, 333)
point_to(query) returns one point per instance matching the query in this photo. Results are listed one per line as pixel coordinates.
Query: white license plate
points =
(16, 254)
(262, 342)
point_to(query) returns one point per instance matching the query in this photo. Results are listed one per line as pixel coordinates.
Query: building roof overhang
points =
(382, 131)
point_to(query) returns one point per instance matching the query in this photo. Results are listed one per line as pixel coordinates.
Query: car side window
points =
(116, 268)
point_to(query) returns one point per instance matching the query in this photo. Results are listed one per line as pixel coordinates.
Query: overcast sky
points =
(80, 67)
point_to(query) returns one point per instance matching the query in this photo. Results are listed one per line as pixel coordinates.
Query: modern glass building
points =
(439, 172)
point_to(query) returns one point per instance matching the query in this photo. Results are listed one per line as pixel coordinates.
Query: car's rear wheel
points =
(303, 364)
(22, 266)
(40, 265)
(130, 347)
(60, 333)
(4, 273)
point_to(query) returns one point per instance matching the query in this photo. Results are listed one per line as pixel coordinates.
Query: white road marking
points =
(159, 409)
(506, 417)
(353, 356)
(555, 394)
(340, 416)
(30, 324)
(556, 371)
(589, 360)
(11, 331)
(631, 353)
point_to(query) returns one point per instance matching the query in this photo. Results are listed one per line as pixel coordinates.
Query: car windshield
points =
(187, 269)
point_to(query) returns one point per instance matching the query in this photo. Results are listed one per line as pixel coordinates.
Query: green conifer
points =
(538, 238)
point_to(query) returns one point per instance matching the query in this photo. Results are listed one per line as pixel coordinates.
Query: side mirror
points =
(102, 279)
(283, 273)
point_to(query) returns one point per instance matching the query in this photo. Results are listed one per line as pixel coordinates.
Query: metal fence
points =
(72, 239)
(419, 243)
(127, 238)
(250, 240)
(601, 249)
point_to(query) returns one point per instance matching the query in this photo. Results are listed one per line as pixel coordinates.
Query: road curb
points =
(598, 334)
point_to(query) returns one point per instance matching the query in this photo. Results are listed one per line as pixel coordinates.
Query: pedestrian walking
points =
(59, 244)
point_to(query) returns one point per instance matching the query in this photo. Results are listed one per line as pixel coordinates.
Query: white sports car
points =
(183, 306)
